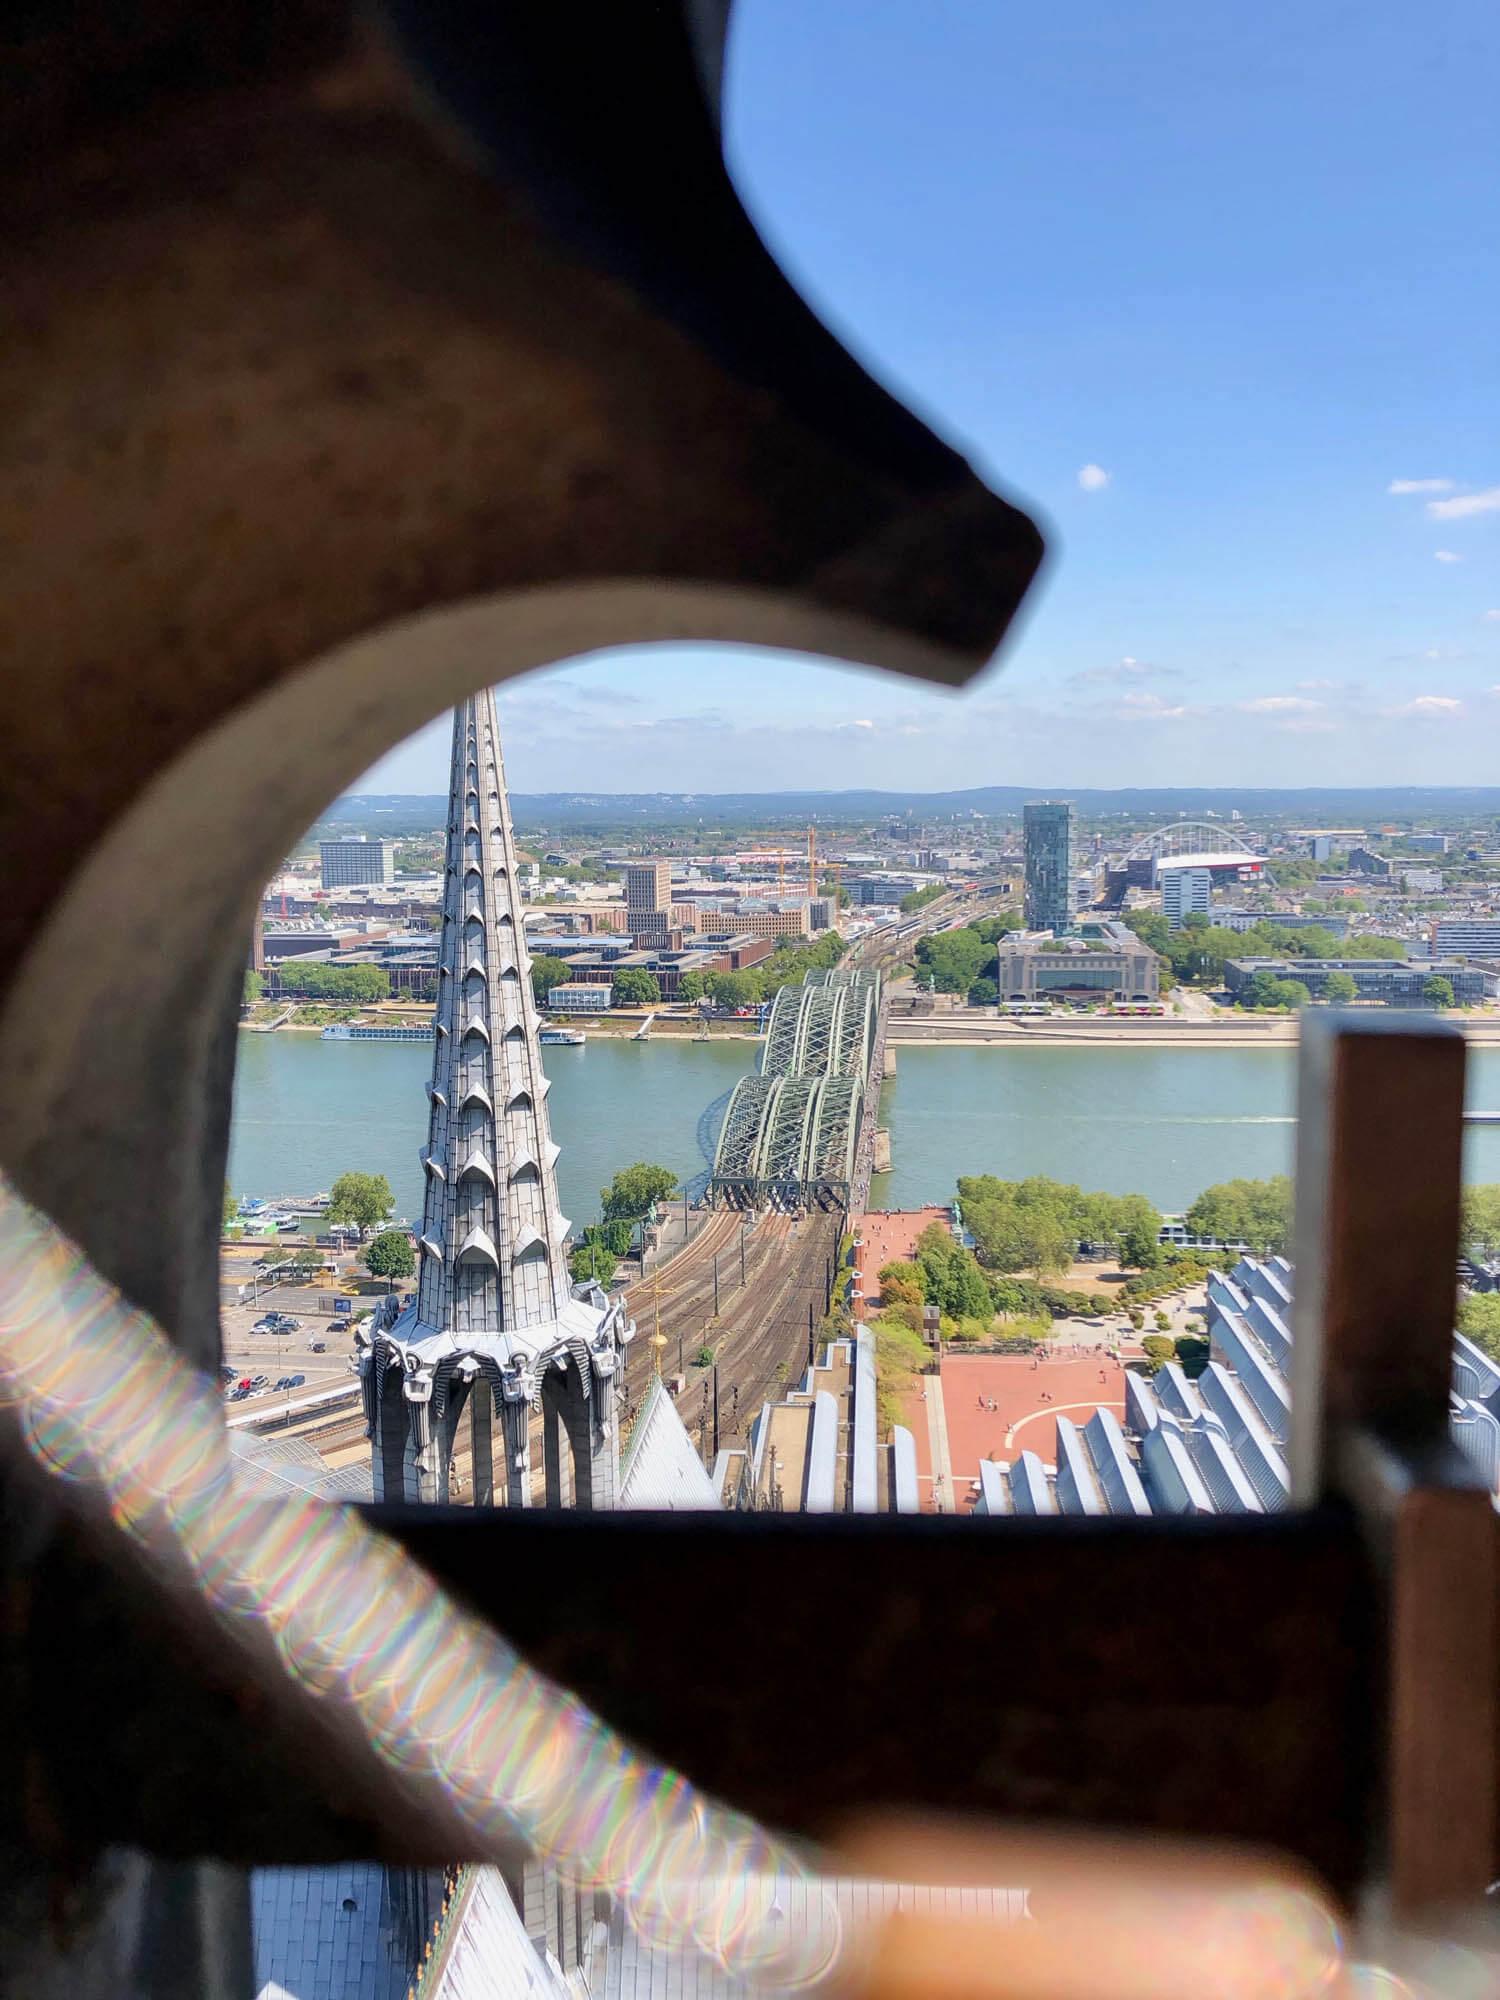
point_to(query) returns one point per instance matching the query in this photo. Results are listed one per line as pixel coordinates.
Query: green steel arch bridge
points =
(792, 1131)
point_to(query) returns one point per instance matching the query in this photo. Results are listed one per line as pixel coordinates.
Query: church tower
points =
(496, 1333)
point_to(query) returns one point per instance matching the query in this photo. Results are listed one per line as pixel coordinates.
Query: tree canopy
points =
(592, 1258)
(920, 897)
(632, 1191)
(1438, 991)
(983, 993)
(951, 1277)
(254, 988)
(635, 987)
(1339, 989)
(361, 1200)
(1479, 1321)
(547, 972)
(1244, 1211)
(692, 986)
(1038, 1224)
(358, 984)
(734, 989)
(390, 1255)
(953, 960)
(1265, 992)
(1481, 1223)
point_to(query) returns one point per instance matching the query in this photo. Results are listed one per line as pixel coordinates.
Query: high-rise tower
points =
(495, 1328)
(1049, 865)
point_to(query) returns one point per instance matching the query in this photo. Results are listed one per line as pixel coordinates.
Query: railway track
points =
(760, 1337)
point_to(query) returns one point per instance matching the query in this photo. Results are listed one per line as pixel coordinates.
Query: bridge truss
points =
(790, 1136)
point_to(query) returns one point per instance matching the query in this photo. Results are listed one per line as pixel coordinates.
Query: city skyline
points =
(1215, 296)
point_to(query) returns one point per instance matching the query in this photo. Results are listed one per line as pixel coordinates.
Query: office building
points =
(648, 900)
(1049, 832)
(1184, 890)
(1115, 968)
(1428, 843)
(1466, 937)
(1364, 861)
(1398, 982)
(348, 863)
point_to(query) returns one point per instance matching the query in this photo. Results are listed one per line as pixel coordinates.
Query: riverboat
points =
(562, 1038)
(345, 1031)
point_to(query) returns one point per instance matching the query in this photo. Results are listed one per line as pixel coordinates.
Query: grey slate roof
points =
(319, 1935)
(661, 1467)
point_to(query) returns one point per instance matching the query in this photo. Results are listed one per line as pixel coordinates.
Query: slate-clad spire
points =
(492, 1232)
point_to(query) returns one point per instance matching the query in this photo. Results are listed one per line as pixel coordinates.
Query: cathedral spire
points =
(492, 1232)
(497, 1346)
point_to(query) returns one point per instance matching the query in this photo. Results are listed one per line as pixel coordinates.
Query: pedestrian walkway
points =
(937, 1433)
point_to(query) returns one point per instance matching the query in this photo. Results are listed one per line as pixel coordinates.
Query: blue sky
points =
(1208, 287)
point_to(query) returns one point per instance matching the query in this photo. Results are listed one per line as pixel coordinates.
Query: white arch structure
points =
(1188, 836)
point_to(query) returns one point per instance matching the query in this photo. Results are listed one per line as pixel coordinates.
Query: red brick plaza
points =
(887, 1236)
(1028, 1397)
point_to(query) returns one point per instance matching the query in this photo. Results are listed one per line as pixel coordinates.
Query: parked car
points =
(267, 1323)
(318, 1346)
(286, 1324)
(343, 1324)
(295, 1381)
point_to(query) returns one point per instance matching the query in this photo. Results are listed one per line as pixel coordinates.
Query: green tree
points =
(901, 1284)
(547, 972)
(255, 987)
(306, 1260)
(1479, 1321)
(734, 989)
(592, 1259)
(1245, 1211)
(1158, 1351)
(1481, 1223)
(983, 993)
(951, 1277)
(231, 1207)
(1339, 989)
(635, 987)
(953, 960)
(1152, 928)
(390, 1256)
(361, 1200)
(358, 985)
(631, 1193)
(1438, 991)
(919, 898)
(1265, 992)
(692, 986)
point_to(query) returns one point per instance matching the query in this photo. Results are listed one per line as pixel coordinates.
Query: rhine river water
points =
(1164, 1122)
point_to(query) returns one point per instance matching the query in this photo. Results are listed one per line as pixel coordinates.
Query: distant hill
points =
(400, 814)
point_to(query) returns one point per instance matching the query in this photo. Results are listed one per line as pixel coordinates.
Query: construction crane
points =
(812, 862)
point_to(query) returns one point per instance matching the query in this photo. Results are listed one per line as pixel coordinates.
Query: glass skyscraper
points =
(1049, 865)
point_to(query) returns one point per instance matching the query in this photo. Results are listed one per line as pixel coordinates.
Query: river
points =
(1160, 1121)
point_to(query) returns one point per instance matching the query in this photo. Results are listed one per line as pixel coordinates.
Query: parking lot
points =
(275, 1355)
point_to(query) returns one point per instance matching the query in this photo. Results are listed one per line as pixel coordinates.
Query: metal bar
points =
(1379, 1160)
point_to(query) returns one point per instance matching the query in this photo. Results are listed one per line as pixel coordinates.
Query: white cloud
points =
(1280, 704)
(1318, 683)
(1147, 708)
(1492, 617)
(860, 723)
(1429, 704)
(1447, 555)
(1420, 486)
(1462, 505)
(1092, 478)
